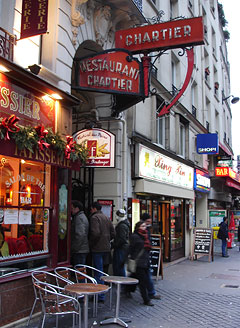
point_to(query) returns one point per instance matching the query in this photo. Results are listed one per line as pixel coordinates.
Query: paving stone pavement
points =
(195, 294)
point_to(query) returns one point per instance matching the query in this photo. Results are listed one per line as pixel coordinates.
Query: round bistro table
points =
(86, 289)
(118, 281)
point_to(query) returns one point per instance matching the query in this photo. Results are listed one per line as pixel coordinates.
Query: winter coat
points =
(135, 247)
(101, 232)
(121, 239)
(223, 231)
(79, 233)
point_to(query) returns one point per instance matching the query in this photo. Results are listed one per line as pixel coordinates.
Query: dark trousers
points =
(119, 256)
(79, 258)
(142, 275)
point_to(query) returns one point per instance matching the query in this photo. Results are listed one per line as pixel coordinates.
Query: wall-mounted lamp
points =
(233, 101)
(35, 69)
(4, 69)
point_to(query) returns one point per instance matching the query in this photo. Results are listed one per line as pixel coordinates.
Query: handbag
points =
(132, 263)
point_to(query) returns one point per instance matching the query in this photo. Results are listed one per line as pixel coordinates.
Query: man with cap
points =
(151, 290)
(121, 243)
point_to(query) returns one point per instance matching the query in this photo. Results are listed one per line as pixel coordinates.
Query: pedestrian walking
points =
(223, 235)
(121, 243)
(79, 234)
(139, 249)
(151, 291)
(100, 234)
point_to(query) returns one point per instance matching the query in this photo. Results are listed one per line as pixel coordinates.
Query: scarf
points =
(144, 234)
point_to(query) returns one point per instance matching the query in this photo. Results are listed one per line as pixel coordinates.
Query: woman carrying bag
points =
(139, 249)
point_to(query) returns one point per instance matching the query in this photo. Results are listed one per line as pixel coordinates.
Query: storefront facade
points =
(164, 187)
(34, 185)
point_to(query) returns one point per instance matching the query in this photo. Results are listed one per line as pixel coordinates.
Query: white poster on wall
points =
(25, 217)
(11, 216)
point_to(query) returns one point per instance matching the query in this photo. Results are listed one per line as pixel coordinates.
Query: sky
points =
(232, 9)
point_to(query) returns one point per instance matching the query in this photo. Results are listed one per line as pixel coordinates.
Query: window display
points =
(24, 208)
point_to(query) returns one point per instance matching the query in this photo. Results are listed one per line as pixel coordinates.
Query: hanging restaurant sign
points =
(34, 18)
(29, 107)
(100, 144)
(172, 34)
(110, 71)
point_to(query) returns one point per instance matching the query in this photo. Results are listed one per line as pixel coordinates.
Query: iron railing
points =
(7, 42)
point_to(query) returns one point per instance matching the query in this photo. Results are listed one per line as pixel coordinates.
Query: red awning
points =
(233, 184)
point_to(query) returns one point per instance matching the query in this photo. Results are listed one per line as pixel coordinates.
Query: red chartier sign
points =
(30, 108)
(111, 71)
(172, 34)
(34, 18)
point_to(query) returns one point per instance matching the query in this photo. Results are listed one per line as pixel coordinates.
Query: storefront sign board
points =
(156, 166)
(207, 143)
(111, 71)
(203, 242)
(100, 144)
(172, 34)
(28, 107)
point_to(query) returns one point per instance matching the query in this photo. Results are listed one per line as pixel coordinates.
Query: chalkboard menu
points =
(203, 242)
(156, 267)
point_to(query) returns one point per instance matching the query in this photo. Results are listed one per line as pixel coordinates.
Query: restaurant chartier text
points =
(104, 66)
(157, 35)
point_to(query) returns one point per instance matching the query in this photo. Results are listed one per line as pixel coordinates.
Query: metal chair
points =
(46, 277)
(55, 303)
(72, 276)
(84, 267)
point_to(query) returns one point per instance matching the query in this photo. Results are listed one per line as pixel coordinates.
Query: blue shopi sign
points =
(207, 143)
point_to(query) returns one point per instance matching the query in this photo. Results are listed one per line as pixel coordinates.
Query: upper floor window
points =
(182, 139)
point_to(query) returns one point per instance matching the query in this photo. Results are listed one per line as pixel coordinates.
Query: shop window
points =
(177, 225)
(24, 212)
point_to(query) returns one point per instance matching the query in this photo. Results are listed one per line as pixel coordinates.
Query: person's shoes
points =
(155, 297)
(225, 255)
(148, 303)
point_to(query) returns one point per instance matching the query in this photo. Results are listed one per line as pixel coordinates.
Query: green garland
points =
(26, 137)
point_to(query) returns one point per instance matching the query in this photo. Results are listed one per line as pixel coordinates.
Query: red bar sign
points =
(171, 34)
(34, 18)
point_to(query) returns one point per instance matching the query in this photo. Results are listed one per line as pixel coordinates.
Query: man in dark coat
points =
(121, 243)
(101, 233)
(223, 234)
(79, 234)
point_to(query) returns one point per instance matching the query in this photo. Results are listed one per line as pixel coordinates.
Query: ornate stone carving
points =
(102, 24)
(76, 16)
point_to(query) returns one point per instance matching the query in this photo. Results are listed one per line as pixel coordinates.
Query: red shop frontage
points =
(35, 184)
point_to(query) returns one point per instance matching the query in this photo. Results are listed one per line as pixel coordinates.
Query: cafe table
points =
(118, 281)
(85, 289)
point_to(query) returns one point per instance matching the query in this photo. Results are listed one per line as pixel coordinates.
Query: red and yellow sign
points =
(100, 144)
(110, 71)
(34, 18)
(31, 109)
(172, 34)
(227, 172)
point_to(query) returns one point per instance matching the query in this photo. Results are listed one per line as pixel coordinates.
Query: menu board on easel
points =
(156, 260)
(203, 242)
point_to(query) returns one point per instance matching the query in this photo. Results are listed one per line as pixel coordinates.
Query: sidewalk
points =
(194, 294)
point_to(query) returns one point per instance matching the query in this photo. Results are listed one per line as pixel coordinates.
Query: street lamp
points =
(233, 101)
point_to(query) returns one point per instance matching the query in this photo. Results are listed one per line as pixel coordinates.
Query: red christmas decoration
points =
(69, 146)
(42, 132)
(9, 123)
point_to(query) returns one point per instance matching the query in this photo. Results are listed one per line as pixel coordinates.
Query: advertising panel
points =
(201, 181)
(100, 144)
